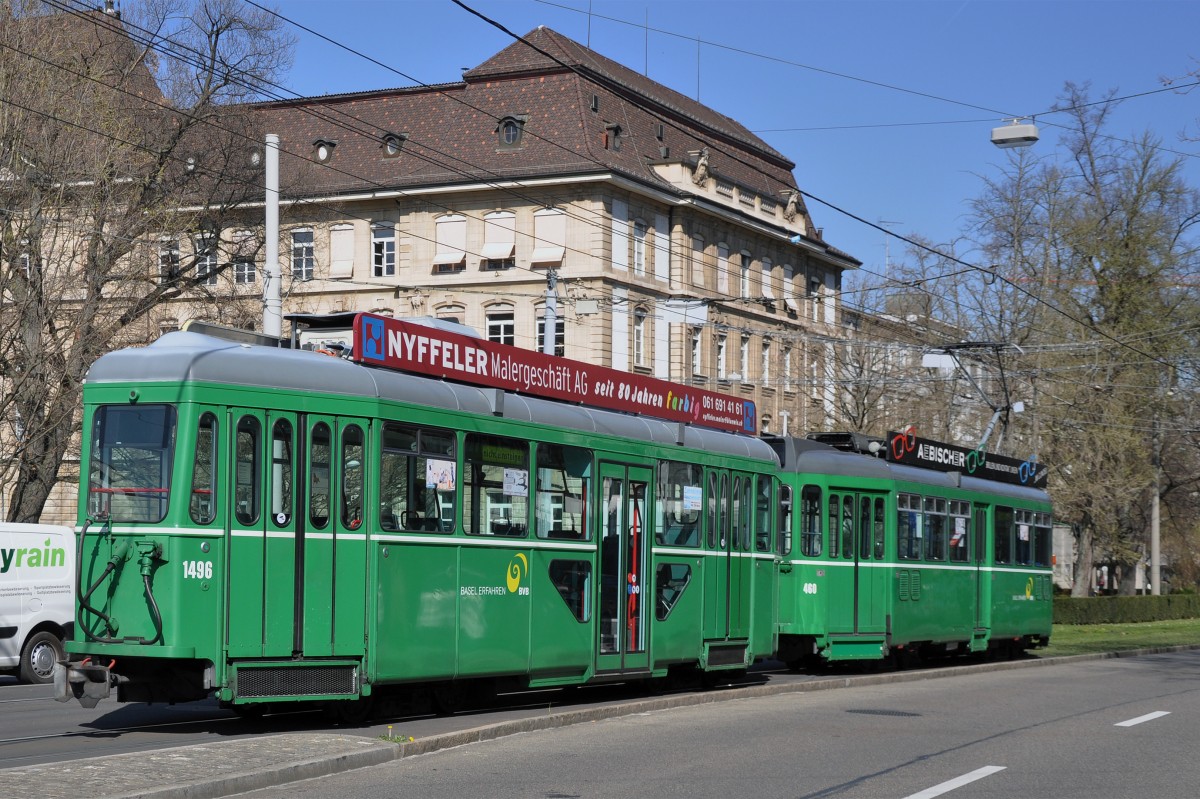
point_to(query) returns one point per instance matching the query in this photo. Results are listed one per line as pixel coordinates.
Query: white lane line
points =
(1158, 714)
(957, 782)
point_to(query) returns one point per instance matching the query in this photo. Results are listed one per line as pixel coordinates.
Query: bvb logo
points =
(517, 567)
(1029, 589)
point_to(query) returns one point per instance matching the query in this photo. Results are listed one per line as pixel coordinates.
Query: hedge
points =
(1125, 609)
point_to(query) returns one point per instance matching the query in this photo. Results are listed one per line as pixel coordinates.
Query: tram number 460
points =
(810, 588)
(197, 569)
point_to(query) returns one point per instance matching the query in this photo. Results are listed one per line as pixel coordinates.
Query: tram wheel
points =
(352, 711)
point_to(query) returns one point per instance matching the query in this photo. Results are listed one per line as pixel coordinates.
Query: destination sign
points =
(907, 448)
(408, 347)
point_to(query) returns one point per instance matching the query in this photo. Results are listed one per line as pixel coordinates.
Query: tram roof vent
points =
(852, 442)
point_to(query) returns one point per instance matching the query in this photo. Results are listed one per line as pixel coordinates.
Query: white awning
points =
(449, 257)
(790, 302)
(546, 255)
(494, 251)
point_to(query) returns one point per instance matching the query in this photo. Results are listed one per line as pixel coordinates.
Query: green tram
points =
(275, 525)
(885, 559)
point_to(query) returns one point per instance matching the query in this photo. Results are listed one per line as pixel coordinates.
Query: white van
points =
(37, 597)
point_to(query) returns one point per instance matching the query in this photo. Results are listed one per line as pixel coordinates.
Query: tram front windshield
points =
(129, 473)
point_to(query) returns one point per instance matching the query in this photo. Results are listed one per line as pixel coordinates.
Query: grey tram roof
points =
(187, 356)
(807, 456)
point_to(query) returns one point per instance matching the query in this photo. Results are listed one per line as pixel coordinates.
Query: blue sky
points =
(885, 107)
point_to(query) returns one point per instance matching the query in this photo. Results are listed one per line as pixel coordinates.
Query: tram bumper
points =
(86, 681)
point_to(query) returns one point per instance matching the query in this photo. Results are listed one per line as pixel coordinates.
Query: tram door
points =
(625, 535)
(858, 603)
(260, 448)
(728, 534)
(296, 551)
(983, 586)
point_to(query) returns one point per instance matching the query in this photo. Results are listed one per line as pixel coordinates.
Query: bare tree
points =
(1096, 266)
(124, 153)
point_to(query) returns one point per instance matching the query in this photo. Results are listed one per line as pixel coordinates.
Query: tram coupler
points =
(86, 681)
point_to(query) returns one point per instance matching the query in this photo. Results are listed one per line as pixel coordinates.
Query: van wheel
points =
(38, 657)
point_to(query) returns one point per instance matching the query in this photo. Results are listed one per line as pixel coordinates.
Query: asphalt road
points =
(1127, 727)
(1079, 727)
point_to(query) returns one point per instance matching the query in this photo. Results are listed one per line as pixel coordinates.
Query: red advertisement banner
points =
(409, 347)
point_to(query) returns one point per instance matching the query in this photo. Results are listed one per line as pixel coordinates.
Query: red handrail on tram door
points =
(632, 586)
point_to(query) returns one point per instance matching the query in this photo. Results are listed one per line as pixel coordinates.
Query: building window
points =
(303, 259)
(789, 291)
(501, 325)
(383, 250)
(639, 247)
(697, 354)
(723, 268)
(451, 313)
(639, 338)
(450, 237)
(814, 293)
(244, 271)
(744, 276)
(323, 150)
(560, 333)
(722, 357)
(511, 130)
(787, 369)
(766, 363)
(744, 357)
(768, 291)
(393, 143)
(168, 260)
(549, 237)
(499, 241)
(698, 260)
(206, 260)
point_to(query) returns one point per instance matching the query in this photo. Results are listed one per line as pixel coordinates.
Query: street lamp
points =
(1014, 134)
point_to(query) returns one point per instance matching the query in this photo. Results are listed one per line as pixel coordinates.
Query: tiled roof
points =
(452, 128)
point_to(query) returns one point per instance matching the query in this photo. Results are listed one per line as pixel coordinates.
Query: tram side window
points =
(417, 479)
(281, 472)
(670, 580)
(762, 530)
(810, 522)
(880, 528)
(495, 486)
(573, 579)
(960, 531)
(864, 529)
(561, 499)
(203, 505)
(129, 477)
(246, 470)
(935, 528)
(320, 453)
(835, 524)
(352, 477)
(711, 521)
(908, 526)
(680, 500)
(1024, 537)
(735, 514)
(848, 527)
(784, 542)
(1043, 539)
(1002, 525)
(746, 517)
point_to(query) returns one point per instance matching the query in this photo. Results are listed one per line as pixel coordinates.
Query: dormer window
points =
(392, 143)
(511, 130)
(323, 149)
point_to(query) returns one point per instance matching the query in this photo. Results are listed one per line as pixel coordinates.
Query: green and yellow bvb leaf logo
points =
(518, 567)
(1029, 589)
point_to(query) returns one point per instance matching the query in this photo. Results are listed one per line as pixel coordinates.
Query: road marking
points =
(957, 782)
(1148, 717)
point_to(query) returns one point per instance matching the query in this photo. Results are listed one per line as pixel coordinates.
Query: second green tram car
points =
(273, 525)
(886, 559)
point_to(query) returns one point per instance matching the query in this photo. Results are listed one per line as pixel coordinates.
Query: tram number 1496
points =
(197, 569)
